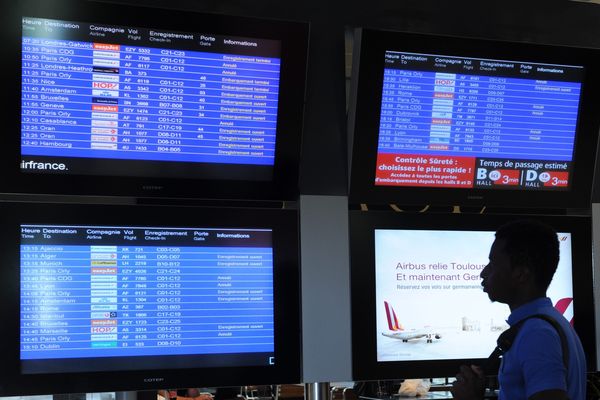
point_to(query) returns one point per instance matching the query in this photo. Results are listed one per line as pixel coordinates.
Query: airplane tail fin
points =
(392, 320)
(565, 307)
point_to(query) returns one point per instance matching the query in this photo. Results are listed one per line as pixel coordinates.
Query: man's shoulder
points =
(544, 319)
(537, 333)
(536, 322)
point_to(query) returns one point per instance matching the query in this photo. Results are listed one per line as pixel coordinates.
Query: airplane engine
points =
(438, 336)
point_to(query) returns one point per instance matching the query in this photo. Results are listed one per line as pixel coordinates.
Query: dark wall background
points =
(323, 169)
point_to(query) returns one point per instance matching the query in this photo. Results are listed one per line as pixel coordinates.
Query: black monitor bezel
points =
(284, 183)
(362, 266)
(364, 117)
(286, 278)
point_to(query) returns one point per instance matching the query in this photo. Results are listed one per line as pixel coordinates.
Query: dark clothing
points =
(534, 363)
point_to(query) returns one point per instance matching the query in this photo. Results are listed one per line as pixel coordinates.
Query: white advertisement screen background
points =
(430, 281)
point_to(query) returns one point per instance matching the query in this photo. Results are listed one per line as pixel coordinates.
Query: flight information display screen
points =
(98, 292)
(93, 92)
(458, 122)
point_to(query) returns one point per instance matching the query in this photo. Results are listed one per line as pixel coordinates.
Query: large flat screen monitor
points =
(103, 298)
(418, 308)
(126, 100)
(448, 120)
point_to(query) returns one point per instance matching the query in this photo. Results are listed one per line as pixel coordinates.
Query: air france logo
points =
(43, 166)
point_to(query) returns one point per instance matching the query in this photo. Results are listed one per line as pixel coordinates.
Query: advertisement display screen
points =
(411, 277)
(418, 306)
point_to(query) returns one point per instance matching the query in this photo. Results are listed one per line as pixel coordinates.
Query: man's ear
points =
(521, 274)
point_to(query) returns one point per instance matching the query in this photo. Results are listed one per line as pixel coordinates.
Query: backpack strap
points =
(506, 339)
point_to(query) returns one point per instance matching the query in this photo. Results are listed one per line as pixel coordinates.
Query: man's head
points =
(523, 258)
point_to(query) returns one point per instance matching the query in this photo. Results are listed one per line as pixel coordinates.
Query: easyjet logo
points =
(106, 46)
(102, 107)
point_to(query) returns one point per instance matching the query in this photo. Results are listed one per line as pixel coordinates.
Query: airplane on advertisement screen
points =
(397, 331)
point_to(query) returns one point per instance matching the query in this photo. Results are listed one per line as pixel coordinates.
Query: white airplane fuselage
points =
(406, 336)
